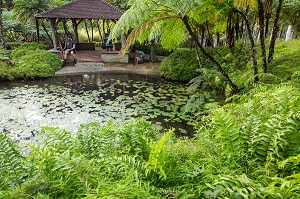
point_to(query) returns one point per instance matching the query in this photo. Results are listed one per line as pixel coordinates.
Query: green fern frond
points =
(156, 157)
(11, 162)
(60, 139)
(228, 132)
(173, 33)
(290, 165)
(236, 187)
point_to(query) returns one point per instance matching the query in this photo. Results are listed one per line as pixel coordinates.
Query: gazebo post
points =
(52, 23)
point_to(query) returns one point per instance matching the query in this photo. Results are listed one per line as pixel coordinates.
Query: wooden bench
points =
(85, 46)
(9, 45)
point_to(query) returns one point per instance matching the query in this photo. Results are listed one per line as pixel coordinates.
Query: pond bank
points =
(89, 68)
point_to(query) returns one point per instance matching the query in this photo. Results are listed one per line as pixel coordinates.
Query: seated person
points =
(62, 47)
(139, 56)
(70, 48)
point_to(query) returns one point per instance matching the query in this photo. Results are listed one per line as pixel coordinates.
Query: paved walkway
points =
(97, 67)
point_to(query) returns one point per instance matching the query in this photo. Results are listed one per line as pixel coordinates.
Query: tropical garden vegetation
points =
(244, 102)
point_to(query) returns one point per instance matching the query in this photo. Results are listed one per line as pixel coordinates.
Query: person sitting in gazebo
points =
(70, 48)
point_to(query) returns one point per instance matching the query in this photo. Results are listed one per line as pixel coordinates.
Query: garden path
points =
(98, 67)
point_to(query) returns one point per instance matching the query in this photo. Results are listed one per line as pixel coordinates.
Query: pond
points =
(70, 101)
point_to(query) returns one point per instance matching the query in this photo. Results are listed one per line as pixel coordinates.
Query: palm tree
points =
(292, 12)
(172, 21)
(274, 31)
(25, 11)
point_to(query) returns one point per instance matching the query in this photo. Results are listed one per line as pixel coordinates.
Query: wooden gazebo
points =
(77, 11)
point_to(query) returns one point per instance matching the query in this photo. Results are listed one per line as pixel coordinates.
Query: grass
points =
(286, 59)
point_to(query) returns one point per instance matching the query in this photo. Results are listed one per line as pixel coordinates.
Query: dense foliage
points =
(180, 65)
(246, 149)
(30, 60)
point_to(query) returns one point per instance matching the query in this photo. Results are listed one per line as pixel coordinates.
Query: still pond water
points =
(70, 101)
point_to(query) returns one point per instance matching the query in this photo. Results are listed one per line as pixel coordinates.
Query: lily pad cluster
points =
(70, 101)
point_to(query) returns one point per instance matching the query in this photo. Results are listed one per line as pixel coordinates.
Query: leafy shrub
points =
(5, 72)
(4, 54)
(26, 48)
(248, 137)
(131, 139)
(94, 163)
(5, 68)
(37, 63)
(32, 60)
(180, 65)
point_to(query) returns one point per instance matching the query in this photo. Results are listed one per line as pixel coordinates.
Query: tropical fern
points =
(229, 186)
(290, 165)
(11, 162)
(96, 141)
(288, 187)
(58, 139)
(156, 157)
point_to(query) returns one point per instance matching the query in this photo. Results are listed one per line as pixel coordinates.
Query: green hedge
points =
(26, 48)
(39, 63)
(180, 65)
(30, 60)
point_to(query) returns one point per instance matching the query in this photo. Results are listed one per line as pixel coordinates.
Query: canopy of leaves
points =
(147, 19)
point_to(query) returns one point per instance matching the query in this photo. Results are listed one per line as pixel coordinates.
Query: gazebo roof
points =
(84, 9)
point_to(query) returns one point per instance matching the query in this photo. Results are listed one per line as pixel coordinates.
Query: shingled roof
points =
(84, 9)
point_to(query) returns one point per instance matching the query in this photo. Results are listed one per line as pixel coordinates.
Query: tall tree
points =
(274, 31)
(172, 21)
(261, 22)
(253, 50)
(25, 11)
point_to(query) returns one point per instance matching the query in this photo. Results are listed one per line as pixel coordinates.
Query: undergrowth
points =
(248, 148)
(28, 61)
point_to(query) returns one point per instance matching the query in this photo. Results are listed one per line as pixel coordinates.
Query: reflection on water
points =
(72, 100)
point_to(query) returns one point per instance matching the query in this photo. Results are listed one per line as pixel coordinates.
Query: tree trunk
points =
(1, 24)
(92, 26)
(274, 32)
(289, 33)
(244, 29)
(211, 59)
(237, 28)
(253, 55)
(262, 35)
(281, 32)
(46, 31)
(218, 39)
(101, 38)
(199, 59)
(267, 14)
(267, 24)
(87, 31)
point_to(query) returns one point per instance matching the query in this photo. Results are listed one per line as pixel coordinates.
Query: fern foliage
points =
(259, 134)
(248, 148)
(11, 162)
